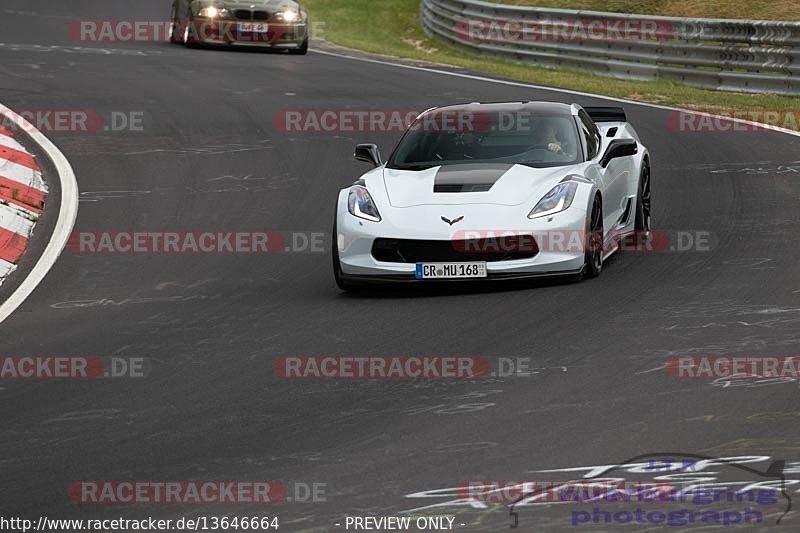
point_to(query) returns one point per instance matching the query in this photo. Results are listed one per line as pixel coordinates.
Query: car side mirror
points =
(368, 153)
(619, 148)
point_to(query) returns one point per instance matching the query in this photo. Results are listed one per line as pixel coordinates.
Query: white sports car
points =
(497, 191)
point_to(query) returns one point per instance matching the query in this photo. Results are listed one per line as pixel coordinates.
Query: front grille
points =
(260, 15)
(490, 249)
(243, 14)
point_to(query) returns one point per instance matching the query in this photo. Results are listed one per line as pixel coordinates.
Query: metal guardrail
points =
(731, 55)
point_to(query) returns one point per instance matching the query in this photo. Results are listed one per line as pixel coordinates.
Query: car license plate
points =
(451, 270)
(253, 27)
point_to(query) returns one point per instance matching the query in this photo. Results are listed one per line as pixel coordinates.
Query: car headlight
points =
(361, 205)
(558, 199)
(288, 15)
(212, 12)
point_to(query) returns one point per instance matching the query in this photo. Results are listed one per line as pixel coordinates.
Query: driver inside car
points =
(547, 136)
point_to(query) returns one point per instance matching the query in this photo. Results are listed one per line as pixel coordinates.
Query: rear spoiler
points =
(606, 114)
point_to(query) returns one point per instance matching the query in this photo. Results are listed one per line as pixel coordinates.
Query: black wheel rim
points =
(646, 198)
(596, 235)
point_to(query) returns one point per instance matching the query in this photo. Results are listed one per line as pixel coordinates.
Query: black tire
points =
(337, 265)
(303, 50)
(175, 27)
(593, 256)
(640, 239)
(188, 36)
(642, 223)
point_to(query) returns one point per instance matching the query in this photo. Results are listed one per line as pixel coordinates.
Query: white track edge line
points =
(558, 90)
(68, 212)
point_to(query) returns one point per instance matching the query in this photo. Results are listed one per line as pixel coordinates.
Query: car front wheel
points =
(174, 27)
(593, 258)
(188, 35)
(302, 50)
(337, 265)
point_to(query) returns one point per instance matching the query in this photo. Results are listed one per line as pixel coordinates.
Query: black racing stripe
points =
(468, 178)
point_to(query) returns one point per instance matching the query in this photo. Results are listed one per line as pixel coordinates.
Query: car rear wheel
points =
(642, 224)
(641, 237)
(593, 258)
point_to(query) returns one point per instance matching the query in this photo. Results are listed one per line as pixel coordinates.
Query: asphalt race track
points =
(210, 326)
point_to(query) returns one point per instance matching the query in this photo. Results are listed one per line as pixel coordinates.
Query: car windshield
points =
(447, 137)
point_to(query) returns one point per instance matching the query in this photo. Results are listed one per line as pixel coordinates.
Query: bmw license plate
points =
(253, 27)
(451, 270)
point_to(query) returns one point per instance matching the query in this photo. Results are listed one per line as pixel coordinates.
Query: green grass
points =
(392, 27)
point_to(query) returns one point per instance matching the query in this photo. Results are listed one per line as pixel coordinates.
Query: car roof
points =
(544, 108)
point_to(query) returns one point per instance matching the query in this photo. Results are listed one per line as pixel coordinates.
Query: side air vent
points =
(625, 219)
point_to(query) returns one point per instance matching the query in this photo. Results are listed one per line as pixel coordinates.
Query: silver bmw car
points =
(277, 24)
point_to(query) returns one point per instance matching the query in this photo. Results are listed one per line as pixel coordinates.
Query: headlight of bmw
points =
(211, 12)
(288, 15)
(361, 205)
(558, 199)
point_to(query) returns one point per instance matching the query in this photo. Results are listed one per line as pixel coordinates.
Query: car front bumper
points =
(228, 33)
(355, 237)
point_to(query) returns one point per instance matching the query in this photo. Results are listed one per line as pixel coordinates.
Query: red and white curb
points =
(22, 196)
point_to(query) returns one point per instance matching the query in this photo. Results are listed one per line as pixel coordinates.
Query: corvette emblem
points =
(451, 222)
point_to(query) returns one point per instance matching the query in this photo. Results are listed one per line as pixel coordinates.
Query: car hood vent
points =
(468, 178)
(499, 184)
